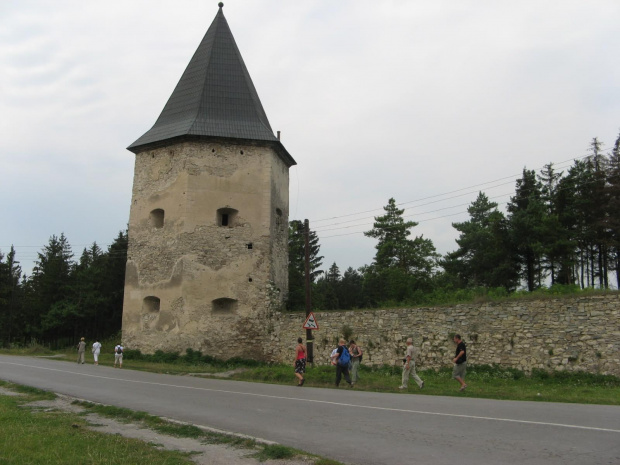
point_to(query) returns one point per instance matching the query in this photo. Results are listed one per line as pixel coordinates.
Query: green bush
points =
(191, 357)
(132, 354)
(238, 361)
(275, 452)
(165, 357)
(576, 378)
(487, 372)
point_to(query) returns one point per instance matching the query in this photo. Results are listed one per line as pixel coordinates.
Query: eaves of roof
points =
(214, 99)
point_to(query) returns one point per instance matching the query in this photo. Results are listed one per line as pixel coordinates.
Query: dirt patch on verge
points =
(224, 374)
(202, 453)
(8, 392)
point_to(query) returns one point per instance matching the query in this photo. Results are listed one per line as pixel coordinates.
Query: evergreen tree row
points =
(560, 228)
(63, 299)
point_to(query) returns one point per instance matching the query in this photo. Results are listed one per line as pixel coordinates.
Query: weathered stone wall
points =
(192, 281)
(279, 226)
(572, 334)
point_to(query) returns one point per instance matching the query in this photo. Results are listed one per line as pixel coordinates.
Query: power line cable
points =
(512, 177)
(444, 216)
(321, 228)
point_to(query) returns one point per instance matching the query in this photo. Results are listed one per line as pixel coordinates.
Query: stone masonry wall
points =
(572, 334)
(194, 280)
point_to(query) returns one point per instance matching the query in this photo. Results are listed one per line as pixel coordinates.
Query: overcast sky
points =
(424, 101)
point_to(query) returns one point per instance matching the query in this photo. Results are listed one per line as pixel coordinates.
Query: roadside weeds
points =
(201, 445)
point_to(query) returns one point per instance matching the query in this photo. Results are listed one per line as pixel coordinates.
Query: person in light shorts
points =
(96, 351)
(118, 356)
(81, 348)
(409, 367)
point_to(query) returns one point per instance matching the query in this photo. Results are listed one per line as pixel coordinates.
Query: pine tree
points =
(612, 216)
(88, 302)
(583, 209)
(416, 257)
(351, 288)
(568, 205)
(114, 265)
(598, 202)
(391, 230)
(526, 213)
(328, 290)
(553, 238)
(296, 264)
(402, 266)
(484, 257)
(49, 290)
(10, 292)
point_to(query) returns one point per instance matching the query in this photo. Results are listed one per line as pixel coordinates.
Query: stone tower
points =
(208, 226)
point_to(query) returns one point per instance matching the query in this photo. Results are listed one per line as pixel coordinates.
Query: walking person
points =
(300, 361)
(409, 367)
(96, 351)
(460, 362)
(333, 356)
(118, 355)
(81, 348)
(356, 358)
(342, 360)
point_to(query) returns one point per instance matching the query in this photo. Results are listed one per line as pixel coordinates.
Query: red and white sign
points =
(311, 322)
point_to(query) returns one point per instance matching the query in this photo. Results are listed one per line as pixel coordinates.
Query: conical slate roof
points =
(215, 97)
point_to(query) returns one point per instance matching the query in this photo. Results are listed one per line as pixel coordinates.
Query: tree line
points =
(559, 229)
(63, 298)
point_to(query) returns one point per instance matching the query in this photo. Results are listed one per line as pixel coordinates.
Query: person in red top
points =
(300, 362)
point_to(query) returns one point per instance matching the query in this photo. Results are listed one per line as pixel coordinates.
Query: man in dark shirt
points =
(460, 362)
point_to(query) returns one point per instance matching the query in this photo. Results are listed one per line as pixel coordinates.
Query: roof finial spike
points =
(220, 4)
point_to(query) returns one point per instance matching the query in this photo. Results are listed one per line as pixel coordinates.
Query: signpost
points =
(311, 322)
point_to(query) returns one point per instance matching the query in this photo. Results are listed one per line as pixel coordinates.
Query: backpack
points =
(345, 357)
(119, 350)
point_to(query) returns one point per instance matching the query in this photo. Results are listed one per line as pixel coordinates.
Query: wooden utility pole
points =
(309, 339)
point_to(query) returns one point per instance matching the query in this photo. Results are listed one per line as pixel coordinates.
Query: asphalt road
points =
(354, 427)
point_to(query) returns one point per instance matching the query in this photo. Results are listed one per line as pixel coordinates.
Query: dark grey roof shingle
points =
(215, 97)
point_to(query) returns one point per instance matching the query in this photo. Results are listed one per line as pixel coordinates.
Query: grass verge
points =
(164, 426)
(483, 381)
(58, 438)
(263, 451)
(54, 437)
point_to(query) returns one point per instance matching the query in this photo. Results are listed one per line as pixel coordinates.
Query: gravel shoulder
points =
(202, 453)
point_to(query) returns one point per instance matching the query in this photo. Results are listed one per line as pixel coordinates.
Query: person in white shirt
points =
(118, 356)
(96, 351)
